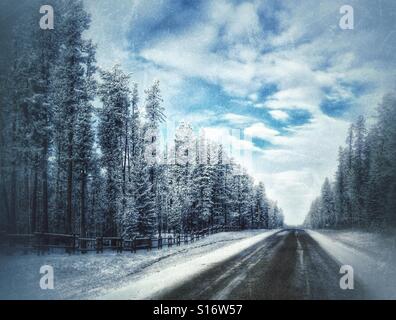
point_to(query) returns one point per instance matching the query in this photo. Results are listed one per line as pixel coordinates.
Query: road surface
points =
(287, 265)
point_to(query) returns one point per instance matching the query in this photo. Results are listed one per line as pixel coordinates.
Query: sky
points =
(278, 79)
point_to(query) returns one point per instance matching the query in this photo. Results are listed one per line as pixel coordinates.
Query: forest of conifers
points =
(363, 194)
(80, 152)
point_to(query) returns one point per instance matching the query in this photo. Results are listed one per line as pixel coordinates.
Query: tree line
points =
(363, 193)
(80, 152)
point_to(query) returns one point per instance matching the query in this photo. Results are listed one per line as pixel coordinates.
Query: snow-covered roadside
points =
(371, 255)
(158, 279)
(93, 275)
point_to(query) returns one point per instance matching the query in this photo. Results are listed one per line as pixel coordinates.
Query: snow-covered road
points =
(285, 264)
(161, 278)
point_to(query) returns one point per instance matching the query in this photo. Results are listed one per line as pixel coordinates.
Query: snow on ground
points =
(154, 281)
(118, 276)
(372, 256)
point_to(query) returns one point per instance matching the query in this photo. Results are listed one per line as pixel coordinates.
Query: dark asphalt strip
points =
(209, 283)
(286, 265)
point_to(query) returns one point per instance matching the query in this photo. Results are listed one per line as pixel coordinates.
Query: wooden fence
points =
(44, 243)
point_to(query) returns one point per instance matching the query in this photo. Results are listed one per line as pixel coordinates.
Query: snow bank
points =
(91, 275)
(153, 283)
(371, 256)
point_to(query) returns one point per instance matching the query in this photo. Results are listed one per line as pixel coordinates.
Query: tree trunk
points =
(12, 211)
(58, 195)
(12, 216)
(26, 194)
(82, 210)
(69, 195)
(33, 222)
(124, 165)
(6, 206)
(44, 169)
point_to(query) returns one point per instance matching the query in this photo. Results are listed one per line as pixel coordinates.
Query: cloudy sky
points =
(279, 79)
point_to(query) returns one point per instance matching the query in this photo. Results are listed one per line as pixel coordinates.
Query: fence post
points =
(98, 245)
(37, 243)
(74, 243)
(120, 243)
(41, 244)
(83, 245)
(133, 245)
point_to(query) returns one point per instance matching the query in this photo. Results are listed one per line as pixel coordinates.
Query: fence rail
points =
(43, 243)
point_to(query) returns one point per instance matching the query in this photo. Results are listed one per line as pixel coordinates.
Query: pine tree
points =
(383, 158)
(85, 136)
(155, 116)
(135, 144)
(340, 191)
(114, 92)
(364, 188)
(241, 197)
(154, 110)
(221, 191)
(360, 171)
(327, 204)
(70, 92)
(145, 203)
(261, 207)
(182, 163)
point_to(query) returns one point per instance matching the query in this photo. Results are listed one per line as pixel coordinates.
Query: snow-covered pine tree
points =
(129, 218)
(340, 191)
(360, 170)
(349, 177)
(85, 136)
(242, 187)
(327, 204)
(221, 190)
(69, 92)
(261, 206)
(377, 183)
(145, 221)
(182, 175)
(202, 184)
(383, 155)
(32, 64)
(114, 92)
(135, 140)
(275, 216)
(155, 115)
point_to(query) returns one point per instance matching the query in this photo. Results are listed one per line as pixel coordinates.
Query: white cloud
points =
(279, 115)
(238, 119)
(237, 147)
(231, 138)
(259, 130)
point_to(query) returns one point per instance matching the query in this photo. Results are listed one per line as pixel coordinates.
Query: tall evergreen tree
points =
(114, 92)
